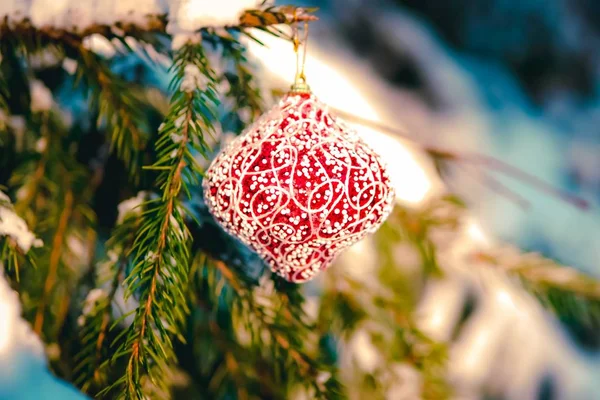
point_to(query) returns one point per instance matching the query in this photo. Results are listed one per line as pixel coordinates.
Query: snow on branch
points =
(22, 358)
(79, 18)
(15, 228)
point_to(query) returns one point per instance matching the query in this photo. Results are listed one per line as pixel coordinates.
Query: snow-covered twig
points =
(15, 228)
(77, 22)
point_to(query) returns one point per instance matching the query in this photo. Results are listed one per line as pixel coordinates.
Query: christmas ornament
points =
(298, 187)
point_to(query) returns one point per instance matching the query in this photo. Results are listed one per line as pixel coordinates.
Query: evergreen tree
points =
(105, 236)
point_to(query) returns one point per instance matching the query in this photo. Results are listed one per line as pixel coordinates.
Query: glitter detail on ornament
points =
(298, 187)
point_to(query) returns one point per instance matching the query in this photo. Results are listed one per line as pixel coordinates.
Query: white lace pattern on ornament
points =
(300, 195)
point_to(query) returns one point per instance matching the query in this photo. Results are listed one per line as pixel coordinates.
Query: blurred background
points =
(515, 79)
(518, 80)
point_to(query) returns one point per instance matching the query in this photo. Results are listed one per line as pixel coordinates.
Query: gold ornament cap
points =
(300, 86)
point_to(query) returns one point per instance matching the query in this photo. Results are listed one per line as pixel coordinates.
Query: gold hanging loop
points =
(300, 46)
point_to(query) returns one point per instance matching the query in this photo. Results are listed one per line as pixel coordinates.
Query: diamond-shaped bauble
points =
(298, 187)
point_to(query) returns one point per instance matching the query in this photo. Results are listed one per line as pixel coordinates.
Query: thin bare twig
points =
(496, 186)
(486, 161)
(54, 260)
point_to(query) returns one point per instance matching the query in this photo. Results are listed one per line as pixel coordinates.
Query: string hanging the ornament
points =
(300, 84)
(298, 186)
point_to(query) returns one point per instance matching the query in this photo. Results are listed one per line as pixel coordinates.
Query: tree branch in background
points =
(157, 24)
(117, 107)
(55, 255)
(572, 296)
(243, 88)
(211, 319)
(481, 160)
(280, 329)
(15, 240)
(93, 358)
(161, 250)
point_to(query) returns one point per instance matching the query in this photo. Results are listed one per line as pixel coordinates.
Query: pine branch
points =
(9, 255)
(243, 89)
(55, 254)
(479, 160)
(571, 295)
(225, 367)
(121, 111)
(157, 24)
(275, 15)
(541, 272)
(285, 323)
(380, 306)
(32, 185)
(349, 305)
(91, 366)
(4, 111)
(15, 240)
(53, 196)
(159, 276)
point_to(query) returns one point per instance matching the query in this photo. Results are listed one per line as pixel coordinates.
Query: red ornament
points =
(298, 187)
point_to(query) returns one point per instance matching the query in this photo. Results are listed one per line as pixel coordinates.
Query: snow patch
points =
(179, 121)
(15, 227)
(78, 247)
(99, 45)
(176, 138)
(44, 58)
(41, 97)
(53, 351)
(93, 298)
(130, 205)
(364, 351)
(182, 39)
(23, 372)
(77, 15)
(124, 305)
(191, 15)
(41, 144)
(14, 332)
(15, 10)
(69, 65)
(193, 79)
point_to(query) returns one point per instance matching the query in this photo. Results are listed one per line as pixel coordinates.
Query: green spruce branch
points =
(160, 274)
(349, 304)
(4, 93)
(54, 200)
(290, 335)
(11, 254)
(540, 272)
(574, 297)
(263, 17)
(93, 359)
(243, 88)
(33, 184)
(118, 108)
(55, 256)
